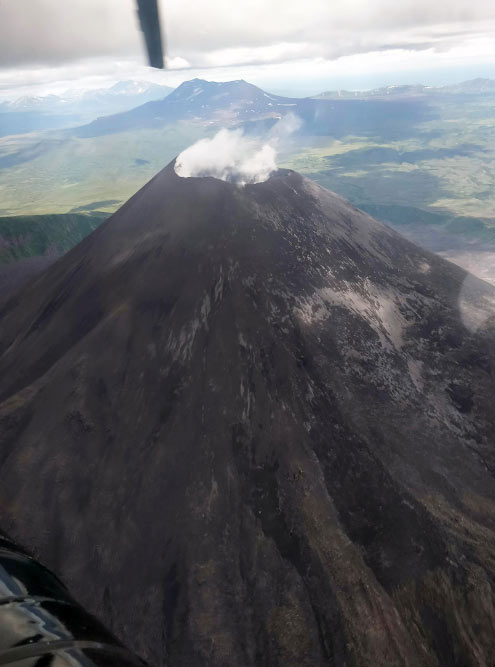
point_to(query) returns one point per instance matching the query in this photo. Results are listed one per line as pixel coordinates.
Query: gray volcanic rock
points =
(253, 426)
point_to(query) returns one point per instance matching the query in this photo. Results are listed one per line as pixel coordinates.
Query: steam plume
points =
(232, 156)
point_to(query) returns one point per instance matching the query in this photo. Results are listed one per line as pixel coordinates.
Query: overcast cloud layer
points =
(217, 33)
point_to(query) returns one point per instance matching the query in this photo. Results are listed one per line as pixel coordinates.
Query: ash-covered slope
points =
(252, 426)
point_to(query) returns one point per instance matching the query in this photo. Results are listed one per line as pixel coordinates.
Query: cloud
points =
(218, 33)
(231, 156)
(282, 131)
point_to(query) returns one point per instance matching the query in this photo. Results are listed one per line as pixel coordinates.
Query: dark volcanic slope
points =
(252, 426)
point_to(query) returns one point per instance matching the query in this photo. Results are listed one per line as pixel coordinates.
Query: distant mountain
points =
(473, 86)
(31, 104)
(28, 114)
(388, 91)
(122, 96)
(201, 101)
(235, 103)
(253, 426)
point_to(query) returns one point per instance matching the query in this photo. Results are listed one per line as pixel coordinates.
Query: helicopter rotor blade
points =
(149, 18)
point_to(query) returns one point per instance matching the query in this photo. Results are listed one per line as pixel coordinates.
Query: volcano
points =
(228, 102)
(254, 426)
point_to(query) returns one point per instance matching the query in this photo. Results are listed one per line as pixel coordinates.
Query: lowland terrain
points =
(29, 244)
(419, 158)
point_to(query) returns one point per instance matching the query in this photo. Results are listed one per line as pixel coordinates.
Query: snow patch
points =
(476, 303)
(181, 346)
(377, 307)
(415, 371)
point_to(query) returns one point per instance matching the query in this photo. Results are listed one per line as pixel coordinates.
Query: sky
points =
(289, 47)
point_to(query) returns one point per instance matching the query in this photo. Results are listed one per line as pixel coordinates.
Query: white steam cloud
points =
(232, 156)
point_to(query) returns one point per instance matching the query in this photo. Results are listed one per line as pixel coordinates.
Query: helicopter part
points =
(149, 19)
(41, 625)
